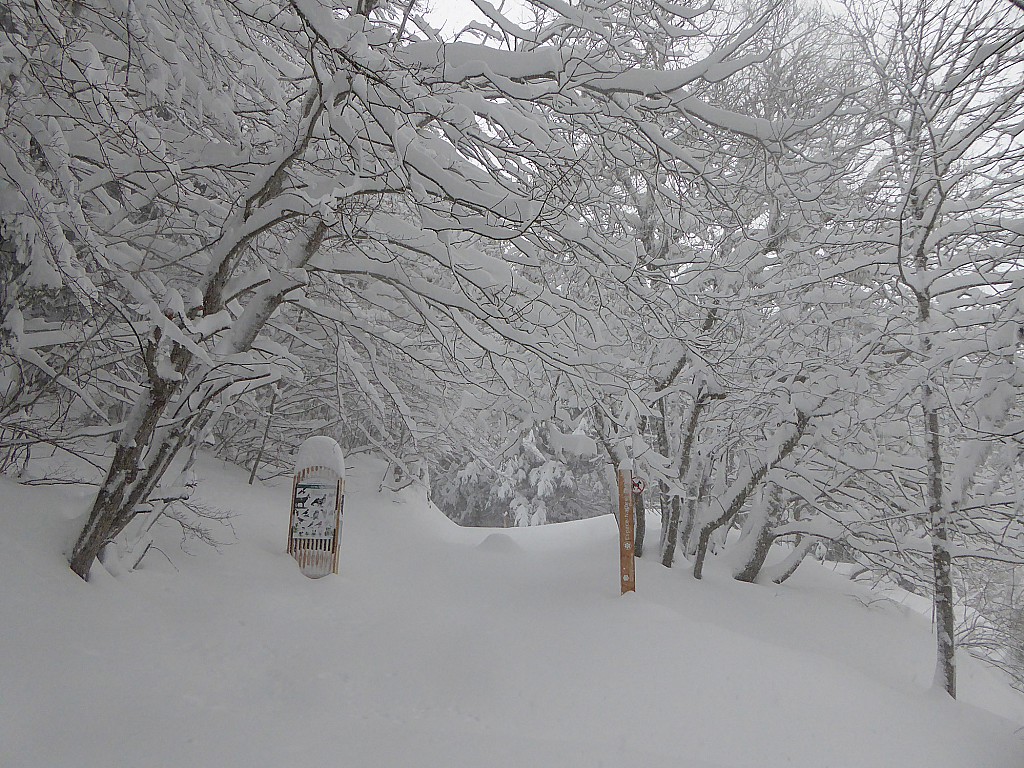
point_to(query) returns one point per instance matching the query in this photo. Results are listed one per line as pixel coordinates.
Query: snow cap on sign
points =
(320, 451)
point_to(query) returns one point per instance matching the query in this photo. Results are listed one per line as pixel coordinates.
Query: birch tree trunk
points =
(938, 516)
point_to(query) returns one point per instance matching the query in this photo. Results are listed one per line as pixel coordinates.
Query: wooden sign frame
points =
(314, 534)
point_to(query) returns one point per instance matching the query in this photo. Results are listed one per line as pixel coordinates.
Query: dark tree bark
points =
(942, 579)
(130, 477)
(263, 440)
(166, 413)
(781, 572)
(641, 524)
(672, 532)
(686, 455)
(762, 533)
(740, 498)
(942, 575)
(698, 491)
(663, 503)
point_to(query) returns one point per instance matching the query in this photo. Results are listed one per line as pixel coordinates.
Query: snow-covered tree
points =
(199, 166)
(940, 233)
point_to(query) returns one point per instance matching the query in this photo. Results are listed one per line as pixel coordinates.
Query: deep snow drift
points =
(445, 647)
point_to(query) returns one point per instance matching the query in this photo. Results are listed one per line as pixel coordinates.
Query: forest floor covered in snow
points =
(444, 647)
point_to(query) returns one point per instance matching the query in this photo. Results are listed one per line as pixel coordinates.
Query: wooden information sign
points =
(627, 563)
(318, 500)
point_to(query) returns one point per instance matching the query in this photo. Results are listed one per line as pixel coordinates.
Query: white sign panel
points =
(316, 507)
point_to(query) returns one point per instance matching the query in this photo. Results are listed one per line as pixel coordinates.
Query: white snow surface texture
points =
(444, 647)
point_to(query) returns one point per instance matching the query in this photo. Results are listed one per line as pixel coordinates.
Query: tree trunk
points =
(672, 532)
(759, 536)
(263, 440)
(663, 506)
(741, 496)
(145, 448)
(686, 454)
(640, 529)
(945, 664)
(782, 571)
(663, 448)
(942, 577)
(130, 478)
(698, 490)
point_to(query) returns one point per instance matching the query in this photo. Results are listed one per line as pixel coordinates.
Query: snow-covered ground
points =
(446, 647)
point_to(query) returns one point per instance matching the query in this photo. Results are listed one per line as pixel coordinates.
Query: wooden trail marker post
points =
(627, 562)
(318, 500)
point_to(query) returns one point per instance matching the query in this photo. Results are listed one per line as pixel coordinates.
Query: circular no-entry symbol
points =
(638, 485)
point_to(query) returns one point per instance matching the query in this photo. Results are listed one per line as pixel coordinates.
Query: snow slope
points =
(445, 647)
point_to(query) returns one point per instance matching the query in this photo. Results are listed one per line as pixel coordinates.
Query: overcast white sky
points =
(452, 15)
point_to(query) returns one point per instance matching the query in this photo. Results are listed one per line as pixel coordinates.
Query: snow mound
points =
(426, 651)
(498, 542)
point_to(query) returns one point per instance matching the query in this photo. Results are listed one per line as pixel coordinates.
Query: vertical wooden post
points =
(627, 564)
